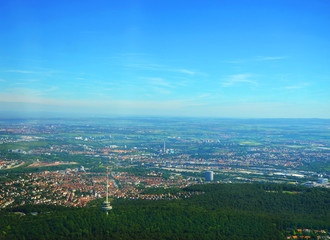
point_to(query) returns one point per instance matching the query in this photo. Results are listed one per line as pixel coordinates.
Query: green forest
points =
(218, 211)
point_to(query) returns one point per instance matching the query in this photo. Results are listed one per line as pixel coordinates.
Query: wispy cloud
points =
(24, 92)
(167, 85)
(159, 67)
(270, 58)
(21, 71)
(45, 72)
(160, 90)
(51, 89)
(158, 82)
(239, 79)
(28, 80)
(256, 59)
(189, 72)
(145, 66)
(298, 86)
(20, 93)
(235, 61)
(204, 95)
(96, 104)
(25, 82)
(132, 54)
(159, 86)
(183, 82)
(293, 87)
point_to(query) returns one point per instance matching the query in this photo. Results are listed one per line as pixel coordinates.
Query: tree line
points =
(223, 211)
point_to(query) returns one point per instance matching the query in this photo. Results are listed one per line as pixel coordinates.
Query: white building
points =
(322, 180)
(208, 176)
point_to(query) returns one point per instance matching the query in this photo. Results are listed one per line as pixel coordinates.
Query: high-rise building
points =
(208, 176)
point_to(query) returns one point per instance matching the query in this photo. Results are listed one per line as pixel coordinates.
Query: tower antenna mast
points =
(106, 206)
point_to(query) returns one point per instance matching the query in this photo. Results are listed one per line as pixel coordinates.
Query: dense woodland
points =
(220, 211)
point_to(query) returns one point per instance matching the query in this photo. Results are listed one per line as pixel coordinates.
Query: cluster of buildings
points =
(7, 164)
(221, 153)
(166, 196)
(308, 234)
(131, 185)
(76, 187)
(67, 188)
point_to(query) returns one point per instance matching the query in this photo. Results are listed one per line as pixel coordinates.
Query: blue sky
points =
(226, 58)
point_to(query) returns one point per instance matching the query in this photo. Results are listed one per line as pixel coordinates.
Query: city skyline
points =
(245, 59)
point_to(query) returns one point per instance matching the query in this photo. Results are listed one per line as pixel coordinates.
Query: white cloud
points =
(236, 61)
(298, 86)
(159, 82)
(51, 89)
(21, 71)
(20, 91)
(22, 94)
(293, 87)
(28, 80)
(158, 85)
(189, 72)
(160, 90)
(204, 95)
(146, 66)
(163, 68)
(239, 79)
(256, 58)
(270, 58)
(44, 72)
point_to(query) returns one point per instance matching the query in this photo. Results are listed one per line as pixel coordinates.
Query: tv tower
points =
(106, 205)
(164, 151)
